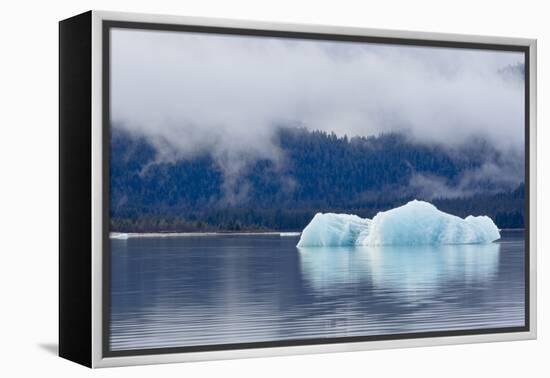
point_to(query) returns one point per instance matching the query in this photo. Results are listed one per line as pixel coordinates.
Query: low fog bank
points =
(188, 94)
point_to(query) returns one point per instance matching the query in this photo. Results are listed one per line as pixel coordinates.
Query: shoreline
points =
(127, 235)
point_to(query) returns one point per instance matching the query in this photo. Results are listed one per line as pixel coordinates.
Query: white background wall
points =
(28, 194)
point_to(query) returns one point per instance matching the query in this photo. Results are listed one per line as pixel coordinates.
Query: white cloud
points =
(191, 93)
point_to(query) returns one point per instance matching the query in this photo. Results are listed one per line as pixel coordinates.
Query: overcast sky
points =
(191, 92)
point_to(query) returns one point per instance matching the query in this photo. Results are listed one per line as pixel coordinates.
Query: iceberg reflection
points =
(401, 270)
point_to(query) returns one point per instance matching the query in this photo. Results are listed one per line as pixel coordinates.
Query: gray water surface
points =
(202, 290)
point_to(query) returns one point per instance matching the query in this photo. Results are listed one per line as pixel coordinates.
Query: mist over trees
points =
(315, 172)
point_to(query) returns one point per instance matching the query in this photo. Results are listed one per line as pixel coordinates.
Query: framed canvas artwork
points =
(235, 189)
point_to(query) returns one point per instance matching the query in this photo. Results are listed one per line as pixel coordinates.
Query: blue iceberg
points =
(415, 223)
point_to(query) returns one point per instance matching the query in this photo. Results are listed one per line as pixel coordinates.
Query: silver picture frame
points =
(97, 235)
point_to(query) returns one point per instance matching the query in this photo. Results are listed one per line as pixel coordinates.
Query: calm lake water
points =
(188, 291)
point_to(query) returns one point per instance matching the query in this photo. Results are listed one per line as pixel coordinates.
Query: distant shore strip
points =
(124, 236)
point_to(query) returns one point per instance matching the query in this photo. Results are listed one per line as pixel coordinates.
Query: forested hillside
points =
(315, 172)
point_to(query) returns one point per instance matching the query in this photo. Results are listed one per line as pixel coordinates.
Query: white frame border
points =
(97, 211)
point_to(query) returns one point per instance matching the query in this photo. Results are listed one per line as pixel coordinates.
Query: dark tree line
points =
(319, 172)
